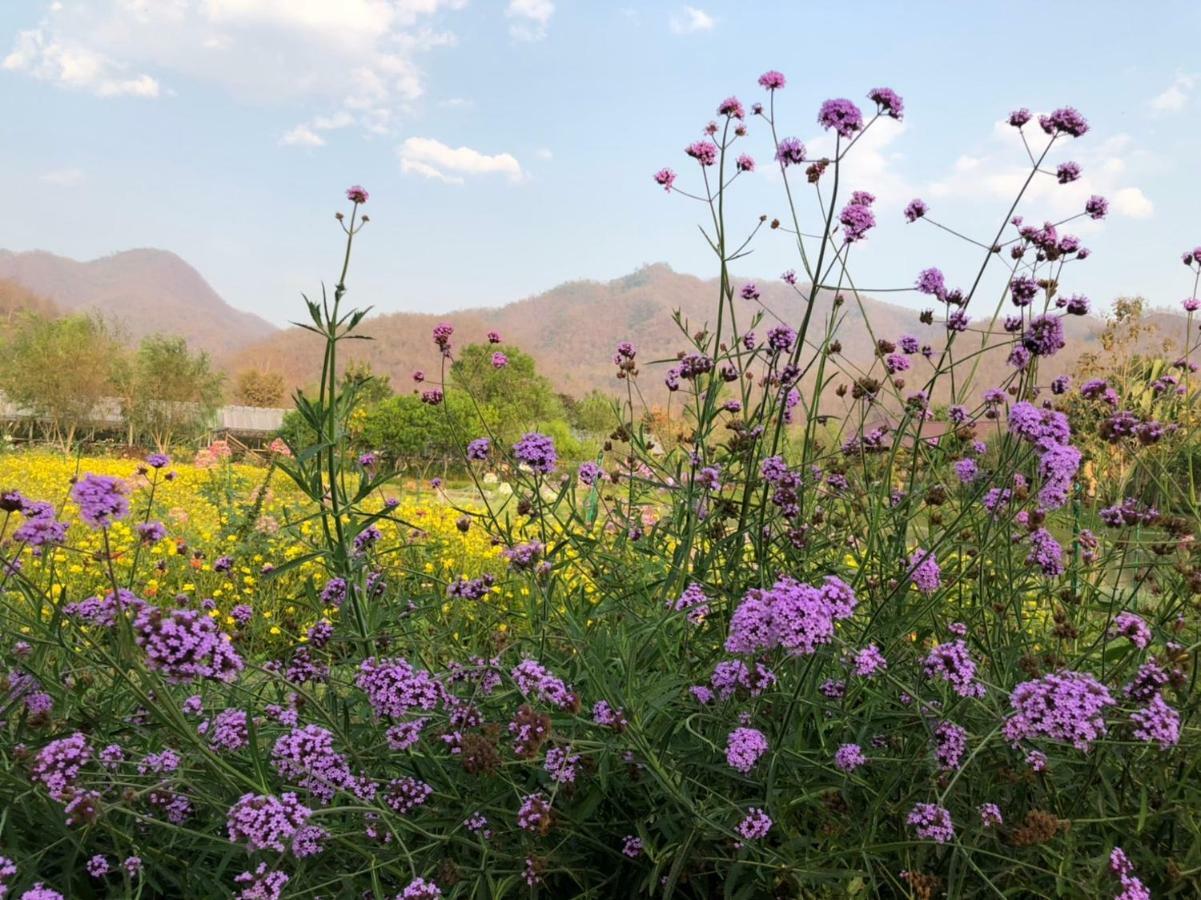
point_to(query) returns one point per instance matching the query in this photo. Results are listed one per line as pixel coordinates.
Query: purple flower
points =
(990, 815)
(1024, 289)
(356, 194)
(857, 219)
(849, 757)
(665, 178)
(1067, 172)
(41, 530)
(442, 333)
(932, 822)
(261, 884)
(1064, 121)
(931, 281)
(924, 571)
(266, 822)
(1046, 553)
(420, 889)
(1157, 722)
(1064, 706)
(1044, 336)
(58, 764)
(953, 663)
(404, 795)
(796, 616)
(499, 360)
(744, 747)
(790, 152)
(307, 757)
(98, 866)
(888, 102)
(1097, 207)
(731, 107)
(1019, 117)
(755, 826)
(842, 115)
(183, 645)
(40, 892)
(478, 449)
(1128, 625)
(493, 337)
(772, 80)
(704, 152)
(745, 163)
(101, 500)
(950, 744)
(916, 209)
(1132, 888)
(228, 732)
(869, 661)
(535, 813)
(1191, 304)
(394, 688)
(537, 451)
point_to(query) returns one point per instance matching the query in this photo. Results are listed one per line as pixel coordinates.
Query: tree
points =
(168, 393)
(253, 387)
(411, 432)
(512, 399)
(59, 370)
(594, 413)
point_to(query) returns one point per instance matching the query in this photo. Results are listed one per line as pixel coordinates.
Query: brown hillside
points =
(572, 329)
(142, 292)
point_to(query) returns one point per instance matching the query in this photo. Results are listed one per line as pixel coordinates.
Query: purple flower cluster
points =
(536, 451)
(534, 680)
(307, 757)
(744, 747)
(755, 826)
(58, 764)
(953, 663)
(394, 687)
(266, 822)
(1066, 706)
(792, 615)
(849, 757)
(924, 571)
(931, 822)
(1158, 723)
(842, 115)
(101, 500)
(183, 645)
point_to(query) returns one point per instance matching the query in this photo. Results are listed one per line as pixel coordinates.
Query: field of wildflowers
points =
(857, 632)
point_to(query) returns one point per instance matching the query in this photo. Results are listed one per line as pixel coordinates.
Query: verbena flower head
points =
(394, 687)
(704, 152)
(916, 209)
(1067, 707)
(101, 500)
(1065, 120)
(849, 757)
(1158, 723)
(790, 152)
(755, 826)
(857, 219)
(665, 178)
(537, 451)
(990, 815)
(184, 645)
(888, 102)
(931, 822)
(732, 108)
(744, 747)
(953, 663)
(1127, 624)
(1019, 117)
(356, 194)
(266, 822)
(841, 115)
(772, 80)
(478, 449)
(420, 889)
(59, 763)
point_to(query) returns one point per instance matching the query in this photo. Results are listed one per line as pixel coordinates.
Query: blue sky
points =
(509, 145)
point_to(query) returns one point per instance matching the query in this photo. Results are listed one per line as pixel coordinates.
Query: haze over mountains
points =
(570, 330)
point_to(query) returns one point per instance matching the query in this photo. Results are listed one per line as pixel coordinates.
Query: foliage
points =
(59, 370)
(253, 387)
(168, 394)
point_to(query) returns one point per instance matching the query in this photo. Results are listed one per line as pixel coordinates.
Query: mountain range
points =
(570, 330)
(140, 292)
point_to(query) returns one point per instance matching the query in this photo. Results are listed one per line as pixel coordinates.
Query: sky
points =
(509, 145)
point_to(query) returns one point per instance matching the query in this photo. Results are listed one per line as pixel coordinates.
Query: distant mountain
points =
(571, 331)
(143, 292)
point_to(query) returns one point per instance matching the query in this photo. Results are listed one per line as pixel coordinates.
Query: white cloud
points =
(871, 165)
(529, 18)
(352, 60)
(48, 58)
(1176, 96)
(998, 172)
(62, 177)
(302, 136)
(691, 20)
(544, 153)
(433, 159)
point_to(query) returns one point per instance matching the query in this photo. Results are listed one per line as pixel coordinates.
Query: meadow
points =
(829, 631)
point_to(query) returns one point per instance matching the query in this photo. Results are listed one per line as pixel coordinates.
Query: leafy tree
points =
(254, 387)
(594, 413)
(414, 433)
(59, 370)
(512, 399)
(168, 393)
